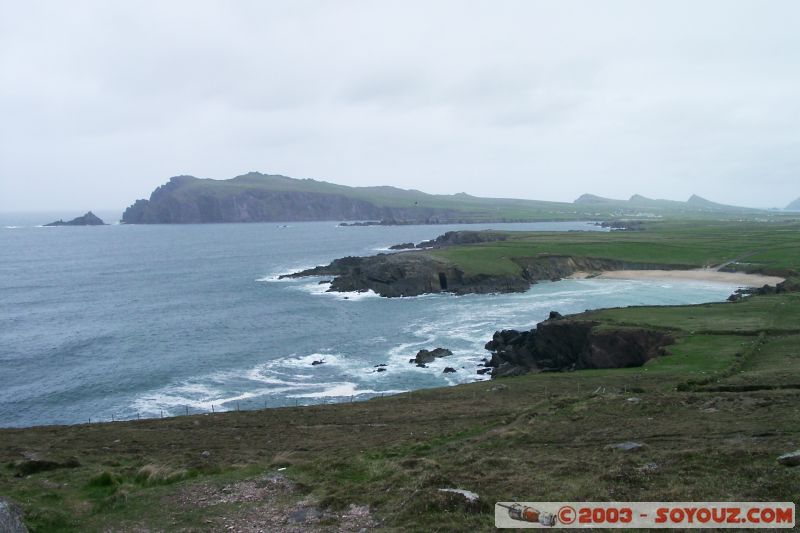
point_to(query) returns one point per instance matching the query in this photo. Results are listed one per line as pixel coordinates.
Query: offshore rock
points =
(429, 356)
(89, 219)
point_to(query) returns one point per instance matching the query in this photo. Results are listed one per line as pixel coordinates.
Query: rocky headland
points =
(415, 271)
(561, 344)
(89, 219)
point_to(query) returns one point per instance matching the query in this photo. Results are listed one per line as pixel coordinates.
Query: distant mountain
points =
(693, 204)
(594, 200)
(256, 197)
(794, 206)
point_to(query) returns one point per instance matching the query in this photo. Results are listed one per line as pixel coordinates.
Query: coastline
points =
(700, 274)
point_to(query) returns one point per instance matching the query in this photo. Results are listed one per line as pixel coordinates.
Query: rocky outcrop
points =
(89, 219)
(409, 274)
(560, 344)
(789, 285)
(463, 237)
(11, 518)
(624, 225)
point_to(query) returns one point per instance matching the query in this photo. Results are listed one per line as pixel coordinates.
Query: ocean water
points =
(129, 321)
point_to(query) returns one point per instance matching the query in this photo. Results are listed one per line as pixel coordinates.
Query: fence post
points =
(237, 407)
(161, 411)
(112, 417)
(187, 410)
(212, 407)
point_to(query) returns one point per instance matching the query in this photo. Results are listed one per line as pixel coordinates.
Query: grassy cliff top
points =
(750, 246)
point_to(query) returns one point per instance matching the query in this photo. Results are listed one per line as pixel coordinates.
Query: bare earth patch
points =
(268, 504)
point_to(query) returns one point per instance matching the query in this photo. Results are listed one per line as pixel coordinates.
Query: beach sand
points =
(700, 274)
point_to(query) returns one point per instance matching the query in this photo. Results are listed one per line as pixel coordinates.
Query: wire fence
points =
(228, 407)
(240, 406)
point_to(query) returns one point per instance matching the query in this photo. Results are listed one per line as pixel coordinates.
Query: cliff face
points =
(562, 344)
(189, 200)
(409, 274)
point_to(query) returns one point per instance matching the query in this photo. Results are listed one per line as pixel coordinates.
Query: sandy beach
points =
(700, 274)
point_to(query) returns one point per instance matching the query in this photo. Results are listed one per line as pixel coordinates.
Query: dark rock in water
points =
(381, 369)
(564, 344)
(484, 370)
(318, 362)
(429, 356)
(422, 365)
(89, 219)
(11, 518)
(380, 365)
(404, 246)
(788, 285)
(448, 370)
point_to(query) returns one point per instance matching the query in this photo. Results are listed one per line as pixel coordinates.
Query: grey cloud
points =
(102, 101)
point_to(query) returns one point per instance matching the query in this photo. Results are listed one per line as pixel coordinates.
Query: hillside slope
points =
(258, 197)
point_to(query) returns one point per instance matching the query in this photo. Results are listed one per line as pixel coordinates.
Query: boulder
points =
(790, 459)
(403, 246)
(11, 518)
(627, 446)
(448, 370)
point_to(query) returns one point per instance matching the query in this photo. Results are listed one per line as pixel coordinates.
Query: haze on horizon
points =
(104, 101)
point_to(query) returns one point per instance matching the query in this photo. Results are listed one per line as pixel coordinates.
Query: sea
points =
(125, 321)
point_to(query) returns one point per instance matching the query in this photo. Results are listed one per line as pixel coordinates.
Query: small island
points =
(89, 219)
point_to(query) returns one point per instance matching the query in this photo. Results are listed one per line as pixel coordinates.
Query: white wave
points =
(344, 389)
(280, 271)
(318, 289)
(13, 227)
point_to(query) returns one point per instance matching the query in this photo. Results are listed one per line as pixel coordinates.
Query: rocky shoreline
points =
(413, 272)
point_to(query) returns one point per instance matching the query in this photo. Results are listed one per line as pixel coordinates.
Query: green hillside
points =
(256, 197)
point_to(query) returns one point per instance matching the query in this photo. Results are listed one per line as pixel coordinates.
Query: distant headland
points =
(257, 197)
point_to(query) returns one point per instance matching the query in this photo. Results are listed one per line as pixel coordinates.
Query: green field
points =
(760, 246)
(713, 415)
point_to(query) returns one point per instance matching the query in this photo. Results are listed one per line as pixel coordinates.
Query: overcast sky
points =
(100, 102)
